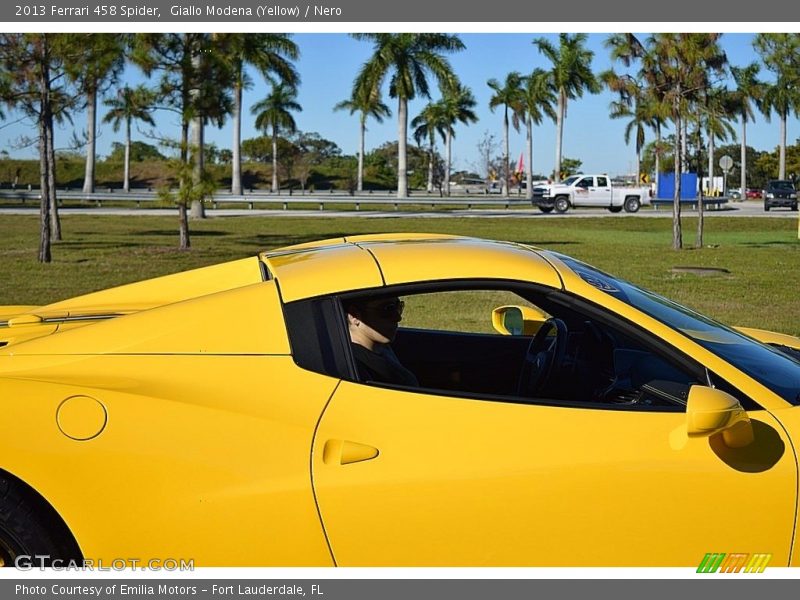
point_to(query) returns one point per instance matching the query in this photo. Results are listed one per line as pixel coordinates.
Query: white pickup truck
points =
(589, 190)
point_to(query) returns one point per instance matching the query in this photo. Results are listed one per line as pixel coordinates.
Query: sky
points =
(330, 61)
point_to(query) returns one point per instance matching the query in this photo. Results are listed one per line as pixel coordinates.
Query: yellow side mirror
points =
(710, 411)
(518, 320)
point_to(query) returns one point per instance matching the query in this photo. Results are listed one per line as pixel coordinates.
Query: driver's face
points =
(377, 321)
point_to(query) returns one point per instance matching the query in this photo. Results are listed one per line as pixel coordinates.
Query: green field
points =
(759, 289)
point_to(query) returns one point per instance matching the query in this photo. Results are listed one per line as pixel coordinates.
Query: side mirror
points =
(518, 320)
(710, 411)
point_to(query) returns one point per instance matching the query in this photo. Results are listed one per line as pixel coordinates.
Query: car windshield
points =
(784, 186)
(570, 180)
(776, 370)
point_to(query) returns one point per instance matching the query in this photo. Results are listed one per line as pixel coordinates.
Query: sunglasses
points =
(395, 307)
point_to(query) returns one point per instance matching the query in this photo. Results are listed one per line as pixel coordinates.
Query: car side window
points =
(602, 182)
(586, 182)
(518, 345)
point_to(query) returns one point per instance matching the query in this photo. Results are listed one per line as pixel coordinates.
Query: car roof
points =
(377, 260)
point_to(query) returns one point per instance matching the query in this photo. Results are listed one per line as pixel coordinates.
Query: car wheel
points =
(562, 204)
(632, 204)
(794, 207)
(766, 207)
(614, 209)
(546, 209)
(30, 528)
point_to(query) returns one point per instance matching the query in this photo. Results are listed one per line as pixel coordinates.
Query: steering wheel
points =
(544, 354)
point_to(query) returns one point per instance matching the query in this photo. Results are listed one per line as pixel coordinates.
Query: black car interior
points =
(579, 357)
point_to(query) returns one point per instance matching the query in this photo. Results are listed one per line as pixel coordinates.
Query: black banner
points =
(264, 12)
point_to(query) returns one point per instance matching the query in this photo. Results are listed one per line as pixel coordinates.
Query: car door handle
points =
(344, 452)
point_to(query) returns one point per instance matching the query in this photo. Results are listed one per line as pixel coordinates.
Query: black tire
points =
(632, 204)
(766, 207)
(794, 207)
(562, 204)
(29, 527)
(615, 209)
(546, 209)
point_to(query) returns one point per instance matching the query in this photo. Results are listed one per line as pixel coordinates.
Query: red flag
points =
(521, 164)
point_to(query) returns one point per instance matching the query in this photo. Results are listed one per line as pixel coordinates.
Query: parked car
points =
(780, 193)
(562, 417)
(754, 194)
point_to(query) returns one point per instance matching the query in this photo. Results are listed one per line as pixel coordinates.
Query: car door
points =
(600, 193)
(406, 478)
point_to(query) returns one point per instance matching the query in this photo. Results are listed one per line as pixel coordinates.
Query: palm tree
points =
(273, 112)
(716, 110)
(537, 100)
(779, 51)
(270, 54)
(678, 69)
(409, 58)
(458, 106)
(368, 103)
(129, 104)
(749, 90)
(102, 62)
(571, 75)
(632, 103)
(509, 96)
(426, 125)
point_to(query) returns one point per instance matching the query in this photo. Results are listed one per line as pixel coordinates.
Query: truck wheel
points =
(562, 204)
(614, 209)
(632, 204)
(546, 209)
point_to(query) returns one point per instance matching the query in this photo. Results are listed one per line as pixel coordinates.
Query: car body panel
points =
(206, 460)
(771, 337)
(221, 323)
(315, 271)
(460, 259)
(555, 486)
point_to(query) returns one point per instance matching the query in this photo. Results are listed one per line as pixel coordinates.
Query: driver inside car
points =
(372, 323)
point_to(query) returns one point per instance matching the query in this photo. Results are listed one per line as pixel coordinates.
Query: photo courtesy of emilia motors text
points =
(246, 363)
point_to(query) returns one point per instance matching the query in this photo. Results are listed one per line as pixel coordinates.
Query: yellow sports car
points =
(393, 400)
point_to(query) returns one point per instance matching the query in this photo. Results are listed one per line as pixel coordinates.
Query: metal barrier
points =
(252, 199)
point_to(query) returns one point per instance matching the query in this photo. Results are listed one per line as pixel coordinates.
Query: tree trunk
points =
(529, 174)
(91, 132)
(361, 145)
(677, 235)
(236, 163)
(275, 189)
(658, 157)
(743, 159)
(55, 219)
(782, 159)
(198, 210)
(126, 179)
(431, 150)
(183, 229)
(44, 204)
(183, 221)
(506, 158)
(710, 164)
(448, 159)
(698, 241)
(402, 157)
(559, 133)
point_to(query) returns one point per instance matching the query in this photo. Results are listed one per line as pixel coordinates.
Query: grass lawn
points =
(760, 289)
